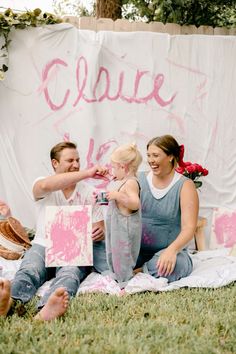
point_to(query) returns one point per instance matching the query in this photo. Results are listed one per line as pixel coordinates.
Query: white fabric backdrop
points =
(106, 88)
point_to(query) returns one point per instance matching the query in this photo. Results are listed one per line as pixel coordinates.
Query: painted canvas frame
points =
(69, 236)
(223, 231)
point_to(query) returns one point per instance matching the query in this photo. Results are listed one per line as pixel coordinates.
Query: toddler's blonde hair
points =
(129, 155)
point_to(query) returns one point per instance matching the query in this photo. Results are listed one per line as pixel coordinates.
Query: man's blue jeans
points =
(33, 273)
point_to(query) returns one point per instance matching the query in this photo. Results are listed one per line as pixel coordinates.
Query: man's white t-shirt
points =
(82, 195)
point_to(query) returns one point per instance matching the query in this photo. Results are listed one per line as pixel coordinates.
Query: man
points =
(65, 187)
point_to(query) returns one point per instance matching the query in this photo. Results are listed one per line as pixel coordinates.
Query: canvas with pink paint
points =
(223, 233)
(69, 236)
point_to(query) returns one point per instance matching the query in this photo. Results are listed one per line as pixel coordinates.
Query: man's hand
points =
(98, 171)
(98, 231)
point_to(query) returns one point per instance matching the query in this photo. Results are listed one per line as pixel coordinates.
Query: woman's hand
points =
(166, 262)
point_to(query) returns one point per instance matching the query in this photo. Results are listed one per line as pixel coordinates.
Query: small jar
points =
(101, 198)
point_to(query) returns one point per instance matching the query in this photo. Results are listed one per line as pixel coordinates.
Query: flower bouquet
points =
(191, 170)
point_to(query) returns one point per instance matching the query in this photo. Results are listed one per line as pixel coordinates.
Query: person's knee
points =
(31, 271)
(183, 267)
(70, 272)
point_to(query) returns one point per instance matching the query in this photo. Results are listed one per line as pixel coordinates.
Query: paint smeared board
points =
(223, 233)
(69, 236)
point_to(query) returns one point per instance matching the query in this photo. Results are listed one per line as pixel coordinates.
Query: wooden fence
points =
(105, 24)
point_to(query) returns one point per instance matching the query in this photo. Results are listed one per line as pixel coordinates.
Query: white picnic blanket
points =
(211, 269)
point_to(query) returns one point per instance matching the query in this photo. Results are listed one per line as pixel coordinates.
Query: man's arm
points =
(62, 181)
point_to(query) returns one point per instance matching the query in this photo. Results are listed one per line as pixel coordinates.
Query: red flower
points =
(192, 170)
(180, 170)
(189, 169)
(205, 172)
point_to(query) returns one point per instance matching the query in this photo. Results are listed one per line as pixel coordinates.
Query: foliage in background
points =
(215, 13)
(109, 9)
(21, 20)
(73, 8)
(184, 12)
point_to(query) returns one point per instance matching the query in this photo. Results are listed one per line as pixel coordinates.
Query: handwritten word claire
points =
(103, 80)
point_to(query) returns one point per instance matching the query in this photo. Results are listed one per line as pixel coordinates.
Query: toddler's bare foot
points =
(56, 306)
(5, 296)
(122, 292)
(137, 270)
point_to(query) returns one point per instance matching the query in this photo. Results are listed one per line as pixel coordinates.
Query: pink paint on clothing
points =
(120, 247)
(146, 239)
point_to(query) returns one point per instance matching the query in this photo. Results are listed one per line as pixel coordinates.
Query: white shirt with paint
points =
(82, 195)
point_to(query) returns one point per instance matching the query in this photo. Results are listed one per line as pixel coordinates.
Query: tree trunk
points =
(108, 9)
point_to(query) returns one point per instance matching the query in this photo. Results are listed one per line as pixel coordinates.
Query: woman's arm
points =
(189, 205)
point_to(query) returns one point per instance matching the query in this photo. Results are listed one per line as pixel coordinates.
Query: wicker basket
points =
(13, 239)
(7, 254)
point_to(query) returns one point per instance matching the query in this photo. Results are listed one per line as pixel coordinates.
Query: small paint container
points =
(101, 199)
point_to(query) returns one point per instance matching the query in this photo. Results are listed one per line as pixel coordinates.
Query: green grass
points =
(182, 321)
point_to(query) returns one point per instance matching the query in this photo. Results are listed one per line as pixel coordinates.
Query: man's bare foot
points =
(5, 296)
(56, 306)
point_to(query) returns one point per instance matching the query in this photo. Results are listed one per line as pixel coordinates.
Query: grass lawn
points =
(181, 321)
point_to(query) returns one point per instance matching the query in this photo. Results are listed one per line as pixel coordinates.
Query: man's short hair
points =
(57, 149)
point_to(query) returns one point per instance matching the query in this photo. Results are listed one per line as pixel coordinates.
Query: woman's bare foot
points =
(56, 306)
(5, 296)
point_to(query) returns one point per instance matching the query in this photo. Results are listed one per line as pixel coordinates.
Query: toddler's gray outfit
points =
(123, 239)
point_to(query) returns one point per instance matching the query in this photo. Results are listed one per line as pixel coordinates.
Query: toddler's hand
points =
(111, 195)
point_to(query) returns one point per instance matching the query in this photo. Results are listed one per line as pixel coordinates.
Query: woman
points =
(169, 212)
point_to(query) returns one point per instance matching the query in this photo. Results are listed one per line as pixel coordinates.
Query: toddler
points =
(123, 219)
